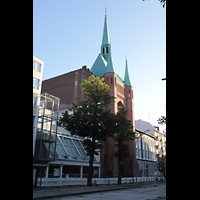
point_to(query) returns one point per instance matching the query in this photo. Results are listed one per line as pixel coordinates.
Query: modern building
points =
(37, 82)
(67, 88)
(57, 154)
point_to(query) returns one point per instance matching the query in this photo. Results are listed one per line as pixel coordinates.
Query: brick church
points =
(67, 88)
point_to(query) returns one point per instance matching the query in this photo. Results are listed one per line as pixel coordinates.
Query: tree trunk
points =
(119, 172)
(89, 180)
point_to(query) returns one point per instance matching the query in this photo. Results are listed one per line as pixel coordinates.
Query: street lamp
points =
(163, 79)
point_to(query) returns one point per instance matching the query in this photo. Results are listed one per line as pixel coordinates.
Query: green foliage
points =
(163, 2)
(162, 120)
(161, 164)
(96, 91)
(123, 132)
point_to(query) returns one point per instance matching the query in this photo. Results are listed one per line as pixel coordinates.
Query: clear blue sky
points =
(67, 34)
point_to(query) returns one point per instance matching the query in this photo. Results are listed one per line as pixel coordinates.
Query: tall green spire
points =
(127, 81)
(105, 40)
(105, 46)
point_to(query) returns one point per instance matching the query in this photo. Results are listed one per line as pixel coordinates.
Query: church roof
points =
(104, 62)
(127, 81)
(99, 66)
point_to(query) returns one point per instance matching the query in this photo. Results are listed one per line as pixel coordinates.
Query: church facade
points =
(67, 88)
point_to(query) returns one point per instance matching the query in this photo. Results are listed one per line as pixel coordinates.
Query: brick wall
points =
(67, 86)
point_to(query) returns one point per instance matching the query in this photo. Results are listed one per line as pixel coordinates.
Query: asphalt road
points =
(147, 192)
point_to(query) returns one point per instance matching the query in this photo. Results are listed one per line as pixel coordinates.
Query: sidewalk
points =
(44, 193)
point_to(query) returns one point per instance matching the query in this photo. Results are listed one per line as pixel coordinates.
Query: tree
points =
(162, 120)
(163, 2)
(162, 165)
(123, 132)
(91, 118)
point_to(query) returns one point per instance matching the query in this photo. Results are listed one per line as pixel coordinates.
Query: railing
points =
(46, 182)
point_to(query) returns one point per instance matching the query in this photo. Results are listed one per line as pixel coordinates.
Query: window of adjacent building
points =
(136, 153)
(139, 153)
(139, 143)
(143, 144)
(143, 154)
(34, 63)
(36, 83)
(34, 101)
(33, 120)
(36, 66)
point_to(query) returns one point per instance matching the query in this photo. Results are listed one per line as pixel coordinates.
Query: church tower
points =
(122, 90)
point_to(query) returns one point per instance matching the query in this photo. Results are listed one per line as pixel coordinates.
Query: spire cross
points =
(105, 9)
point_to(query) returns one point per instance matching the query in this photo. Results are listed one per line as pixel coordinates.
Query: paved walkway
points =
(49, 192)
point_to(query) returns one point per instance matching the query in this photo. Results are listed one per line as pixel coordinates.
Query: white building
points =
(37, 83)
(150, 146)
(145, 153)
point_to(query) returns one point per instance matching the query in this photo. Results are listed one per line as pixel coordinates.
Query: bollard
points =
(155, 184)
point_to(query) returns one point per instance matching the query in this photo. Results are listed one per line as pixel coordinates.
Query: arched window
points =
(107, 50)
(119, 104)
(103, 50)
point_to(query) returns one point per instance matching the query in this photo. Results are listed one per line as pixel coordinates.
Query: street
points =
(147, 192)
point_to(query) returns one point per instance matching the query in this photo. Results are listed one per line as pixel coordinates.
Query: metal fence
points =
(46, 182)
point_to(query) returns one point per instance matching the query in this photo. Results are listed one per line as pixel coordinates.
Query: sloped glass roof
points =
(69, 148)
